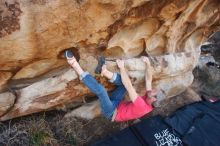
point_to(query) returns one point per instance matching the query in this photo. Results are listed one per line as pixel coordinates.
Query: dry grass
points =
(40, 132)
(13, 135)
(28, 131)
(51, 129)
(74, 131)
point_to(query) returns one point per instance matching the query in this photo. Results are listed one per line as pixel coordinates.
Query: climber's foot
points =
(68, 54)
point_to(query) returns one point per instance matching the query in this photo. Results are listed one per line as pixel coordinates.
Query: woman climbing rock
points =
(113, 107)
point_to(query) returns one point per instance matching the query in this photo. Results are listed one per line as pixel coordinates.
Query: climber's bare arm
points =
(126, 81)
(148, 74)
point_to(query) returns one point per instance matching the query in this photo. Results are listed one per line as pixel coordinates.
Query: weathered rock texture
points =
(6, 102)
(33, 34)
(92, 111)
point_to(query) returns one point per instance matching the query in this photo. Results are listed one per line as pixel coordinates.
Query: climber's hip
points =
(108, 103)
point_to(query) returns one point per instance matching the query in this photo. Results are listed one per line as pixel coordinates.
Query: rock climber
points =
(112, 106)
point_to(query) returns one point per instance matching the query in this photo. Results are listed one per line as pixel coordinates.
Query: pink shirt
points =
(132, 110)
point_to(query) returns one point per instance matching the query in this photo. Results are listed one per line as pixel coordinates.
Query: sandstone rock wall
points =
(33, 34)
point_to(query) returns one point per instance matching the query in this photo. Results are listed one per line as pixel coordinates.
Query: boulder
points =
(65, 88)
(41, 95)
(34, 34)
(48, 94)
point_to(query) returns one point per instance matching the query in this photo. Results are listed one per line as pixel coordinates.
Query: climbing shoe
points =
(68, 54)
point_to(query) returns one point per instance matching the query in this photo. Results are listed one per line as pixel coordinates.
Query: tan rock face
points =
(131, 39)
(44, 28)
(38, 68)
(33, 34)
(6, 102)
(4, 77)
